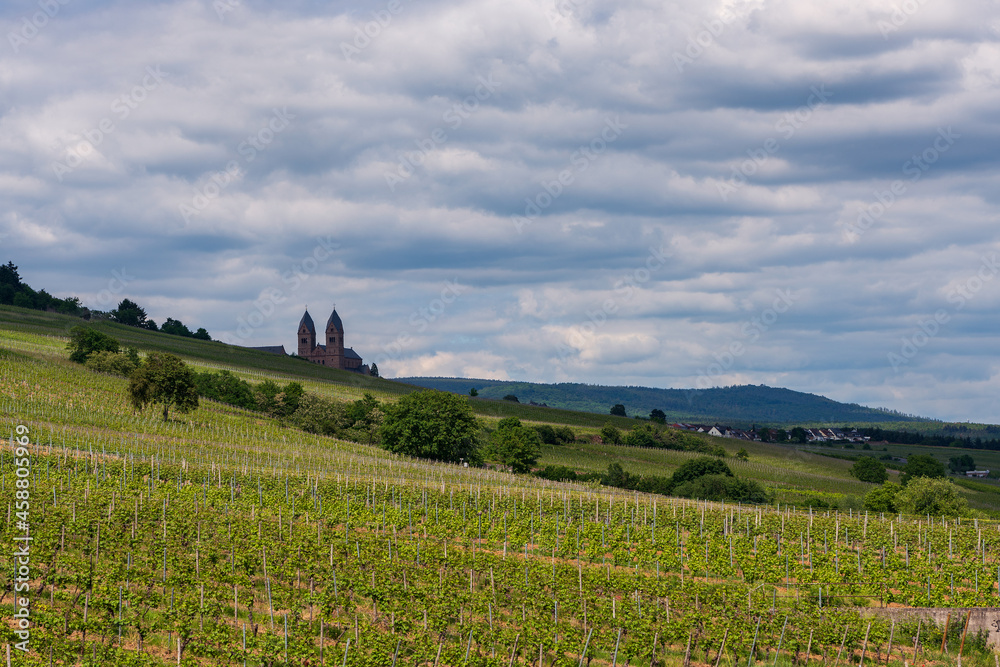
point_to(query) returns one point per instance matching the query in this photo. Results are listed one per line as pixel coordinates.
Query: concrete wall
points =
(982, 618)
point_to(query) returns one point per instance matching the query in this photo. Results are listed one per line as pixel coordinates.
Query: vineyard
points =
(223, 538)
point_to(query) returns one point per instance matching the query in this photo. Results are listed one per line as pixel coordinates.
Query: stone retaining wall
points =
(982, 618)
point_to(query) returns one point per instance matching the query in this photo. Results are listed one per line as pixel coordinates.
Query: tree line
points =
(15, 292)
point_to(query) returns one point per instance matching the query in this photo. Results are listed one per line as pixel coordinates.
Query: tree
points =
(200, 334)
(643, 436)
(164, 379)
(611, 435)
(743, 454)
(657, 415)
(883, 498)
(514, 445)
(764, 434)
(432, 425)
(698, 467)
(937, 497)
(921, 465)
(868, 469)
(175, 328)
(84, 341)
(616, 476)
(781, 435)
(373, 371)
(547, 434)
(365, 415)
(9, 275)
(797, 434)
(473, 392)
(129, 313)
(512, 398)
(618, 410)
(318, 415)
(961, 464)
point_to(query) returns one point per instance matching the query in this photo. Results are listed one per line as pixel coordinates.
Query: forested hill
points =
(729, 405)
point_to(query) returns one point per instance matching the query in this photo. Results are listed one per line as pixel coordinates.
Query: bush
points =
(611, 435)
(699, 467)
(114, 363)
(723, 487)
(226, 388)
(318, 415)
(883, 499)
(84, 341)
(547, 434)
(937, 497)
(565, 435)
(869, 469)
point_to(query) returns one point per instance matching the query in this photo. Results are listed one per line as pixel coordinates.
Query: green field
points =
(222, 537)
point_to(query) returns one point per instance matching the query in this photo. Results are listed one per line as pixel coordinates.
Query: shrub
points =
(318, 415)
(699, 467)
(611, 435)
(869, 469)
(120, 363)
(84, 341)
(547, 434)
(937, 497)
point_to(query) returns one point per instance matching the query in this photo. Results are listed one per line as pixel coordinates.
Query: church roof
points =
(351, 354)
(335, 321)
(273, 349)
(307, 320)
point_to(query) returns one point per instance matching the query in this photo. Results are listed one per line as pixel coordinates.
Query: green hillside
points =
(731, 405)
(225, 537)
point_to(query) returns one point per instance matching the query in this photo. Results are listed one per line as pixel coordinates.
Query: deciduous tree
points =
(431, 425)
(166, 380)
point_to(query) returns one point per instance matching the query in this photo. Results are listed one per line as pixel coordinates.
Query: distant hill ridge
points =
(737, 404)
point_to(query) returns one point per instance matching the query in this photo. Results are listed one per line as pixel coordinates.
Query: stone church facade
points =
(333, 353)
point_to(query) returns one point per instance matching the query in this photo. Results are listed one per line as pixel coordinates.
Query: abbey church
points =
(333, 354)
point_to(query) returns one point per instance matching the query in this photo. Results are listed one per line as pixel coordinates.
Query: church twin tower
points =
(333, 354)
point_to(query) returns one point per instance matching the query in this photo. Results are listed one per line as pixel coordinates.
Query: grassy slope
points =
(795, 475)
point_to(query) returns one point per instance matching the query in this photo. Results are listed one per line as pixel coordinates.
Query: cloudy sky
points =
(671, 194)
